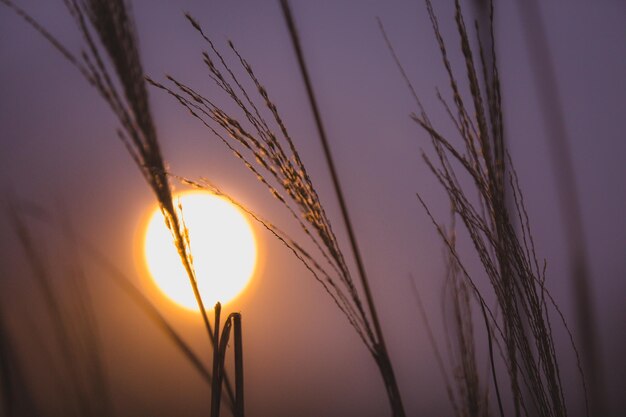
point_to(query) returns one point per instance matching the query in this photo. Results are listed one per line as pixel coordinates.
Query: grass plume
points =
(508, 257)
(115, 38)
(263, 143)
(275, 162)
(491, 210)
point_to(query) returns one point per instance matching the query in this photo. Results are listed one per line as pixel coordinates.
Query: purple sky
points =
(58, 146)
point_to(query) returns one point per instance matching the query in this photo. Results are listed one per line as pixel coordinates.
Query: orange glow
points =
(222, 244)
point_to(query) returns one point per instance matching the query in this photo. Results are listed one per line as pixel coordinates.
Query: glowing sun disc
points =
(222, 245)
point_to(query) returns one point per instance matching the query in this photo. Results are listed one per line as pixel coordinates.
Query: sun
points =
(223, 247)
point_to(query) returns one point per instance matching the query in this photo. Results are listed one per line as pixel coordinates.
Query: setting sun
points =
(222, 245)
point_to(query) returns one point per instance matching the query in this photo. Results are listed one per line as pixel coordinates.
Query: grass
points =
(76, 343)
(273, 158)
(115, 44)
(490, 210)
(524, 332)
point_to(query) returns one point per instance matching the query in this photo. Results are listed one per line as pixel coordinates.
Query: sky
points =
(58, 150)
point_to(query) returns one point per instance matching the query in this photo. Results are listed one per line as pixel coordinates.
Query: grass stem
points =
(381, 353)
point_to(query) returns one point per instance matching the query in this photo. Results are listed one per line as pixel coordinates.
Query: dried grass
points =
(265, 147)
(257, 135)
(109, 37)
(523, 329)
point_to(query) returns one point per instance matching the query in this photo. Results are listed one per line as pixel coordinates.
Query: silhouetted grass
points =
(221, 339)
(271, 155)
(524, 329)
(521, 331)
(382, 355)
(71, 312)
(128, 100)
(271, 160)
(71, 316)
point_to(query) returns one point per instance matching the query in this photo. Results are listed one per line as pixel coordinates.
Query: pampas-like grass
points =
(272, 157)
(115, 44)
(521, 332)
(524, 331)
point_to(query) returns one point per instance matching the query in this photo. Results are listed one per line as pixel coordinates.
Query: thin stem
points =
(239, 411)
(216, 383)
(381, 353)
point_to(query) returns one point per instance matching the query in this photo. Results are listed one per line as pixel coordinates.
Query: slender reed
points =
(266, 148)
(80, 247)
(221, 339)
(382, 355)
(508, 257)
(264, 154)
(144, 303)
(128, 99)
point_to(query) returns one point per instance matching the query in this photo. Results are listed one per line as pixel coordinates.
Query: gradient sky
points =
(58, 149)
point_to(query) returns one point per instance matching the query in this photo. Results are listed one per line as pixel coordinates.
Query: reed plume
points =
(126, 95)
(508, 257)
(523, 333)
(264, 145)
(274, 160)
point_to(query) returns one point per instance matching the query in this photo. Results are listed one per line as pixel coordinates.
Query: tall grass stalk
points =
(128, 99)
(382, 355)
(270, 162)
(257, 135)
(85, 335)
(466, 392)
(221, 339)
(145, 305)
(508, 258)
(271, 155)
